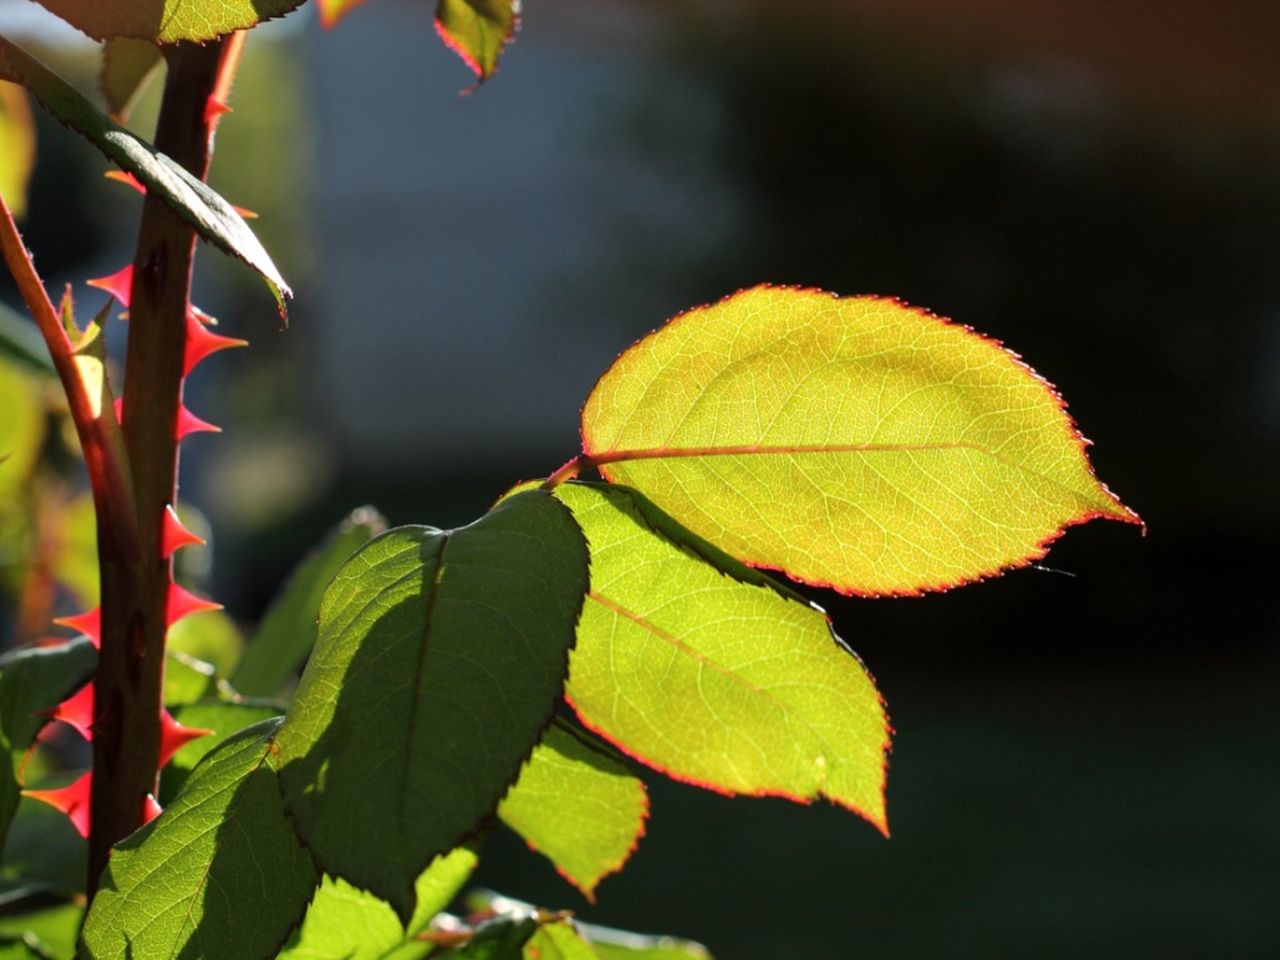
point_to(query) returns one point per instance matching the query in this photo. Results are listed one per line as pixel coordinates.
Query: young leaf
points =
(219, 874)
(32, 681)
(17, 147)
(225, 720)
(853, 443)
(127, 67)
(191, 199)
(288, 631)
(577, 805)
(712, 675)
(346, 922)
(166, 21)
(440, 659)
(477, 30)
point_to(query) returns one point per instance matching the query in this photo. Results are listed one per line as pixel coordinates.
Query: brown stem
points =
(127, 686)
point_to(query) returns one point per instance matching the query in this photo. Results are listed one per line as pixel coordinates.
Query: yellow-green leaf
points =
(332, 11)
(166, 21)
(477, 30)
(17, 146)
(707, 671)
(855, 443)
(578, 806)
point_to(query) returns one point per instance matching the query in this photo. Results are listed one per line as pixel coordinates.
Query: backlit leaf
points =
(211, 637)
(33, 680)
(558, 941)
(853, 443)
(21, 429)
(187, 196)
(346, 923)
(218, 874)
(440, 659)
(51, 931)
(166, 21)
(288, 631)
(711, 674)
(127, 67)
(17, 147)
(75, 554)
(578, 806)
(477, 30)
(187, 680)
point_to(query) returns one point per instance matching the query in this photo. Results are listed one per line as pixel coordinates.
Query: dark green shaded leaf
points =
(127, 67)
(192, 200)
(43, 853)
(578, 805)
(440, 659)
(166, 21)
(288, 631)
(33, 680)
(218, 874)
(502, 938)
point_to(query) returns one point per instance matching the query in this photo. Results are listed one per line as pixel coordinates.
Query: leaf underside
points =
(440, 659)
(192, 200)
(218, 874)
(166, 21)
(852, 443)
(712, 676)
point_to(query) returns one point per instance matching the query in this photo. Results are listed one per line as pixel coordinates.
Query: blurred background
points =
(1086, 753)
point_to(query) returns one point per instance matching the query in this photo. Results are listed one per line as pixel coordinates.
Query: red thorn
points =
(150, 810)
(201, 342)
(73, 800)
(174, 736)
(128, 179)
(118, 404)
(119, 284)
(88, 623)
(175, 536)
(183, 603)
(189, 423)
(77, 711)
(246, 213)
(213, 109)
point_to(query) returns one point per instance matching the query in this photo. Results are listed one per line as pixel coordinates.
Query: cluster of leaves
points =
(507, 671)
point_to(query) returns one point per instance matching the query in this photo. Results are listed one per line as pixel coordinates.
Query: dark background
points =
(1086, 754)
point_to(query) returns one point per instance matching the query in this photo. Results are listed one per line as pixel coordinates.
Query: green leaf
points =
(225, 720)
(17, 147)
(21, 343)
(210, 636)
(166, 21)
(21, 429)
(440, 659)
(218, 874)
(51, 931)
(477, 30)
(188, 197)
(128, 66)
(288, 631)
(853, 443)
(43, 853)
(32, 680)
(710, 674)
(577, 805)
(502, 938)
(74, 562)
(187, 680)
(616, 945)
(332, 11)
(346, 923)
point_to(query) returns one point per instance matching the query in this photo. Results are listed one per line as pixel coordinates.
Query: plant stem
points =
(135, 594)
